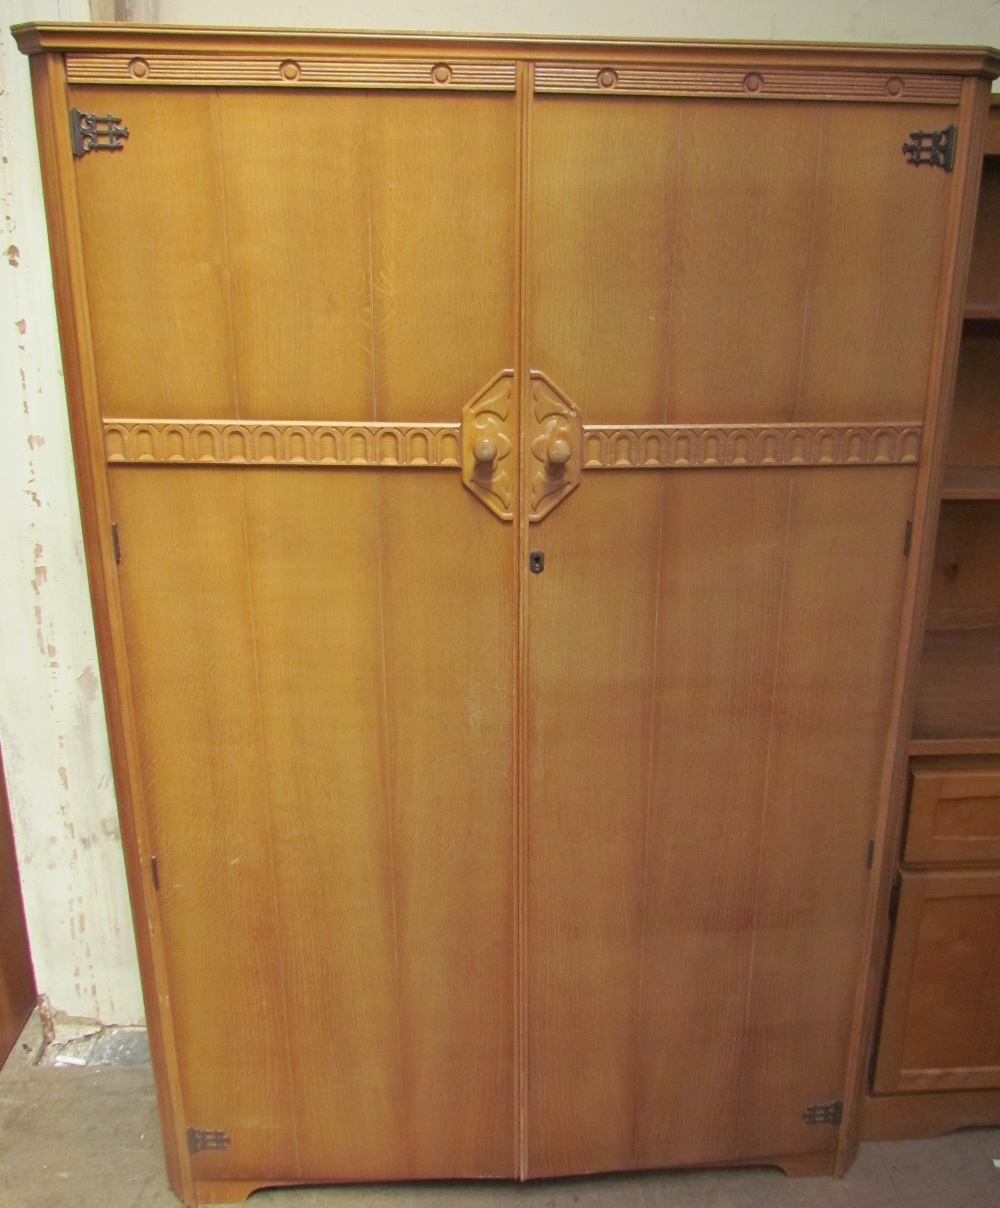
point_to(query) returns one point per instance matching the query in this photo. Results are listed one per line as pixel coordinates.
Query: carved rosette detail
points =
(317, 70)
(707, 446)
(777, 81)
(556, 442)
(210, 443)
(488, 424)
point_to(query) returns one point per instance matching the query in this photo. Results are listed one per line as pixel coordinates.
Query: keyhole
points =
(536, 561)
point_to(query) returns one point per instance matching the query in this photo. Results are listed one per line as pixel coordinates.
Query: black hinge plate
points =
(897, 885)
(95, 132)
(824, 1113)
(872, 1062)
(908, 539)
(200, 1139)
(933, 147)
(116, 542)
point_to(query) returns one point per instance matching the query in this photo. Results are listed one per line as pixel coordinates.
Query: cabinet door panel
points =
(703, 774)
(188, 621)
(941, 1016)
(323, 656)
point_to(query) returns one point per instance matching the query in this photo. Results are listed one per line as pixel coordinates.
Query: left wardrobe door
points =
(292, 295)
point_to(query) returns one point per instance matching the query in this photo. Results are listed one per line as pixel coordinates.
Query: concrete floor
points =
(88, 1137)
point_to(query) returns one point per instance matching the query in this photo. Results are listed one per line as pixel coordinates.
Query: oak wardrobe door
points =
(296, 301)
(712, 643)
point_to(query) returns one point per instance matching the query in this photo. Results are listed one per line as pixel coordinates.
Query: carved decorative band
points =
(782, 83)
(606, 447)
(205, 443)
(313, 71)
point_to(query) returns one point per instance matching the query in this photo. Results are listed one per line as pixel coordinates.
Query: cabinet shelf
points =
(982, 312)
(971, 482)
(958, 689)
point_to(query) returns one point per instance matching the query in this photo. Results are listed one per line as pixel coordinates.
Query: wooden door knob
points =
(485, 451)
(558, 451)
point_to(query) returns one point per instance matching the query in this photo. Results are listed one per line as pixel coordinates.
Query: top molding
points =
(61, 37)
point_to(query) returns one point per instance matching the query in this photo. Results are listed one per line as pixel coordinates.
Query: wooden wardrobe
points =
(508, 471)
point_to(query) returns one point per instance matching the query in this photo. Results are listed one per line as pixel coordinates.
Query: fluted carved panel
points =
(306, 71)
(606, 447)
(195, 442)
(788, 83)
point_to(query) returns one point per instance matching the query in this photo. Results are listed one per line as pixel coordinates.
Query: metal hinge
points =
(95, 132)
(200, 1139)
(933, 147)
(155, 871)
(824, 1113)
(908, 539)
(117, 543)
(869, 858)
(894, 897)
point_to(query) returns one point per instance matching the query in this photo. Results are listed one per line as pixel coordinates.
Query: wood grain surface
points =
(984, 271)
(954, 811)
(942, 1030)
(974, 433)
(965, 583)
(678, 884)
(354, 882)
(463, 870)
(958, 690)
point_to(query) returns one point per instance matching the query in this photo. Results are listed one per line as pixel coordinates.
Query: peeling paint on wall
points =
(90, 685)
(52, 726)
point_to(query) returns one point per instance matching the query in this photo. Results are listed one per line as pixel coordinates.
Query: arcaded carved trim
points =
(675, 446)
(784, 83)
(279, 71)
(210, 443)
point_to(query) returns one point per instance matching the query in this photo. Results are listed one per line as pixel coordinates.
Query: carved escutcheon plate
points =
(488, 423)
(556, 441)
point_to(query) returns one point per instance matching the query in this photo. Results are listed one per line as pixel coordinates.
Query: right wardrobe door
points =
(727, 292)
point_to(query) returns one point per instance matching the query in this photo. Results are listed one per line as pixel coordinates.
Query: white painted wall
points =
(968, 22)
(52, 727)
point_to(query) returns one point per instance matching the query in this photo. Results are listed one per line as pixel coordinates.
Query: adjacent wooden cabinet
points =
(937, 1062)
(507, 472)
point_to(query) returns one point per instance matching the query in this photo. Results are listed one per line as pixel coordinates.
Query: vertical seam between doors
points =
(384, 735)
(525, 73)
